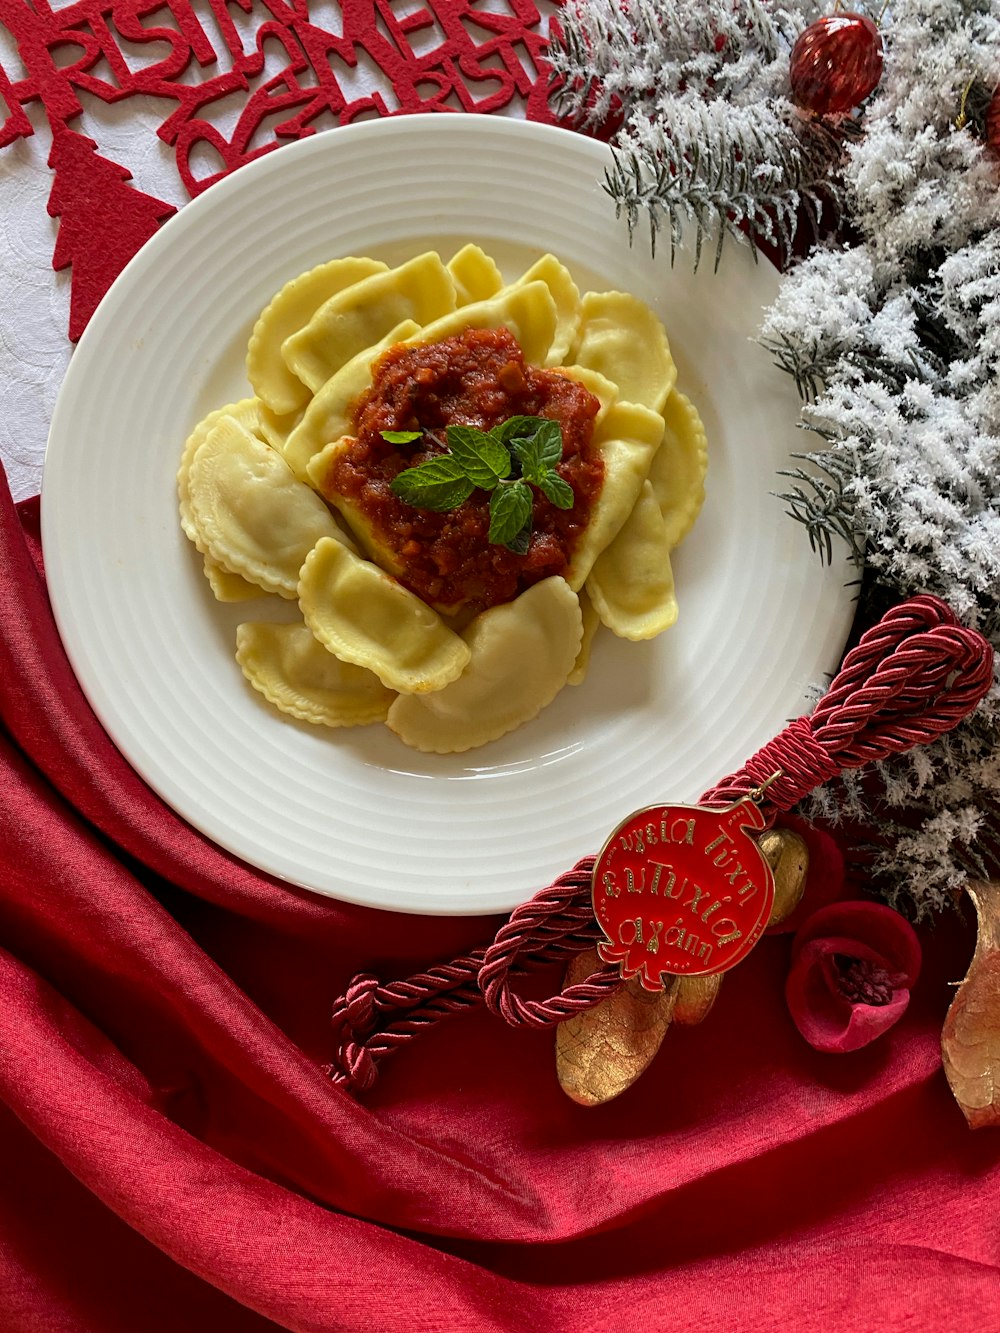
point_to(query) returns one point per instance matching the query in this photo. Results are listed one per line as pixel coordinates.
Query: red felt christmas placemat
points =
(232, 81)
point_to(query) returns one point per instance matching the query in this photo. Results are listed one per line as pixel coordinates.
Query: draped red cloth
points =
(175, 1158)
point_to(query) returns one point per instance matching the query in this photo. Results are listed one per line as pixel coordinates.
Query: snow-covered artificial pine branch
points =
(707, 134)
(895, 344)
(892, 332)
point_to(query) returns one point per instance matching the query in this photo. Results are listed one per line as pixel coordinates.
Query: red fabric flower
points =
(853, 966)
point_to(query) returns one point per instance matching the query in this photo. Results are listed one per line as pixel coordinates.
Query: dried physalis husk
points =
(970, 1039)
(602, 1051)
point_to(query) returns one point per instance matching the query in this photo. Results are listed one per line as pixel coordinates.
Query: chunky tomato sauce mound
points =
(477, 378)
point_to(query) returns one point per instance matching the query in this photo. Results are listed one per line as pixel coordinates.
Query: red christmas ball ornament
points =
(993, 124)
(836, 63)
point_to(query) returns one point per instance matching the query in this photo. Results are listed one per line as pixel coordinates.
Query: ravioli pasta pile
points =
(364, 648)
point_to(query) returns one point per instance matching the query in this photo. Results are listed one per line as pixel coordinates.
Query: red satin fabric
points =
(174, 1158)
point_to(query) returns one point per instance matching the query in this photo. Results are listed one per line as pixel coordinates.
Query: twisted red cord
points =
(911, 678)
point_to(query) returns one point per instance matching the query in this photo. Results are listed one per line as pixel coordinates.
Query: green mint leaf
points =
(510, 511)
(526, 453)
(519, 544)
(554, 488)
(401, 436)
(439, 484)
(516, 428)
(484, 460)
(540, 452)
(549, 442)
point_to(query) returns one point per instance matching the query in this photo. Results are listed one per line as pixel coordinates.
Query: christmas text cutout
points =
(231, 80)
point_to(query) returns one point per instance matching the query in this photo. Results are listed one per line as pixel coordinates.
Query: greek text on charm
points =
(682, 890)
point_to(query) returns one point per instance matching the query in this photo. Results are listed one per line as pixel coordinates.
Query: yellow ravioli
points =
(287, 313)
(603, 390)
(520, 656)
(364, 616)
(527, 310)
(626, 441)
(566, 295)
(250, 512)
(248, 412)
(678, 469)
(292, 670)
(620, 337)
(475, 275)
(355, 519)
(359, 317)
(631, 584)
(591, 623)
(329, 415)
(227, 586)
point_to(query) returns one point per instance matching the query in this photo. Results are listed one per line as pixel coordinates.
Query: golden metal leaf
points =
(970, 1039)
(602, 1051)
(788, 856)
(695, 997)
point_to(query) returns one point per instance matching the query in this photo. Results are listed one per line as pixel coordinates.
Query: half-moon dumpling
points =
(227, 586)
(626, 440)
(475, 275)
(366, 617)
(527, 310)
(289, 311)
(677, 471)
(354, 517)
(297, 674)
(620, 337)
(603, 390)
(591, 623)
(248, 412)
(632, 583)
(329, 416)
(421, 289)
(249, 511)
(521, 654)
(275, 430)
(566, 295)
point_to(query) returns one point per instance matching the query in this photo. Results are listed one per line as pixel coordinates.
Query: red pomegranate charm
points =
(682, 890)
(836, 63)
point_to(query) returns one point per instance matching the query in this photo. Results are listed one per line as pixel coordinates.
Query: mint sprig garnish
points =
(539, 452)
(438, 484)
(506, 460)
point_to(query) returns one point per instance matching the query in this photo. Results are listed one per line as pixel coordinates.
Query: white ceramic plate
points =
(355, 814)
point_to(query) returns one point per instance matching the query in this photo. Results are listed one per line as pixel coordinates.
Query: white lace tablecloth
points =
(34, 311)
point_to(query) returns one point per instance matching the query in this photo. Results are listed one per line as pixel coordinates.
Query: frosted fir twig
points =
(613, 56)
(706, 134)
(818, 501)
(752, 173)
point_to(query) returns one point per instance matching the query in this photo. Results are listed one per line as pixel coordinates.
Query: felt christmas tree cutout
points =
(103, 221)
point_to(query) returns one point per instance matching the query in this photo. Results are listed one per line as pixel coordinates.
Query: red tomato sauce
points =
(477, 378)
